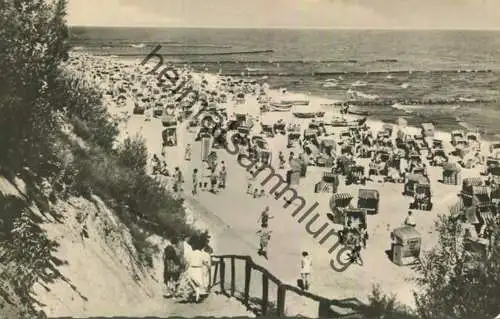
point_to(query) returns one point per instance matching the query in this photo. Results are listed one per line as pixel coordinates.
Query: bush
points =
(83, 105)
(133, 154)
(102, 174)
(455, 283)
(386, 306)
(33, 42)
(81, 129)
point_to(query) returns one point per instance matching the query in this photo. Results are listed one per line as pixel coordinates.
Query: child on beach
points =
(305, 269)
(265, 236)
(409, 220)
(187, 155)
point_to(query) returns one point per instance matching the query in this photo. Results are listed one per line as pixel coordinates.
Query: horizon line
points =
(283, 28)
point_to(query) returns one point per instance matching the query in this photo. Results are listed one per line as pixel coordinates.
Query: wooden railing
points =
(351, 308)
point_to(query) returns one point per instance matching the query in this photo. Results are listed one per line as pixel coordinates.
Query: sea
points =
(448, 77)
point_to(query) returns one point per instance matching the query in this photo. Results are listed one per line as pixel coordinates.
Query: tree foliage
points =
(456, 283)
(386, 306)
(133, 154)
(33, 42)
(37, 99)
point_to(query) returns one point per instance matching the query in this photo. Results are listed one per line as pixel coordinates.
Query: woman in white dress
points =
(199, 273)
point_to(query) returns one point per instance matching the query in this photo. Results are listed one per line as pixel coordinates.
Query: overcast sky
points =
(385, 14)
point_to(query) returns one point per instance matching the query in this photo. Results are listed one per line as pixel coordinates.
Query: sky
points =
(364, 14)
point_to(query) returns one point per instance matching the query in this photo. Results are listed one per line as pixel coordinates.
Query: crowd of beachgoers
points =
(319, 150)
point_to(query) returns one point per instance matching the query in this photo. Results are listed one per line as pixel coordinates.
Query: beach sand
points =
(232, 215)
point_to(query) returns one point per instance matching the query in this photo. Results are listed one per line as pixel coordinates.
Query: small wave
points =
(389, 76)
(329, 84)
(254, 69)
(357, 94)
(405, 85)
(412, 102)
(186, 54)
(359, 83)
(465, 99)
(138, 46)
(401, 107)
(417, 107)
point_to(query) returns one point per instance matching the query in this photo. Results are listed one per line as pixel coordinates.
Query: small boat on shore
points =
(292, 98)
(341, 122)
(308, 115)
(298, 102)
(337, 122)
(280, 107)
(358, 112)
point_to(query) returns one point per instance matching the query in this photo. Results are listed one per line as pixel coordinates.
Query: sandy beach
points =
(231, 215)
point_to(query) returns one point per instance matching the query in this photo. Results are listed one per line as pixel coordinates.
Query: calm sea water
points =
(451, 78)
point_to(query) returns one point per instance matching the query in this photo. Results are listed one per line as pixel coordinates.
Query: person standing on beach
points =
(250, 181)
(213, 181)
(178, 180)
(305, 269)
(264, 218)
(195, 181)
(265, 236)
(363, 235)
(282, 161)
(356, 250)
(222, 175)
(187, 155)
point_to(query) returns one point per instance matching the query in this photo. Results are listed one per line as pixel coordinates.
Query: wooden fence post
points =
(248, 278)
(324, 309)
(216, 270)
(233, 276)
(281, 300)
(265, 293)
(222, 274)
